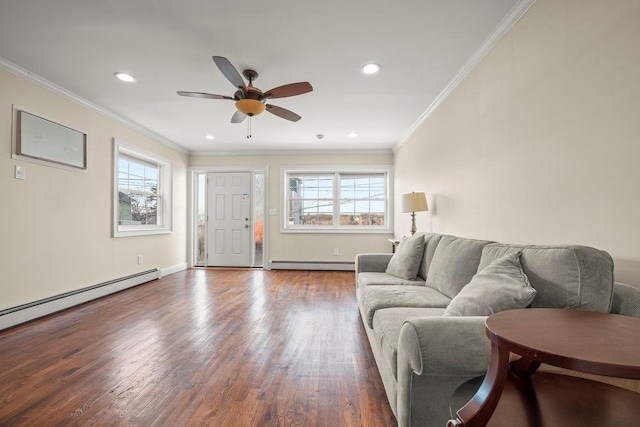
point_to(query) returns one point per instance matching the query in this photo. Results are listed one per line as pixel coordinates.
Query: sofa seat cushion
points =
(387, 324)
(371, 278)
(375, 298)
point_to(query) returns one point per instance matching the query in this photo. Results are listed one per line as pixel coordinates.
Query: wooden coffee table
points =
(584, 341)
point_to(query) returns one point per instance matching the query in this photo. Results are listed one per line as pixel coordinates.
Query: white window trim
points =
(284, 186)
(165, 178)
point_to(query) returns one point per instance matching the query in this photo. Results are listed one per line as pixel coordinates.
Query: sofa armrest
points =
(626, 300)
(435, 356)
(445, 345)
(372, 262)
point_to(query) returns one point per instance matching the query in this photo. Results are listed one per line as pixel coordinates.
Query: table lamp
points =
(414, 202)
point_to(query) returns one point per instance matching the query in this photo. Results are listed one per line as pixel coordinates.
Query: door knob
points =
(246, 226)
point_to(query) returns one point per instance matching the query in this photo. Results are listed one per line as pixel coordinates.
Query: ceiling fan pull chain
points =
(249, 128)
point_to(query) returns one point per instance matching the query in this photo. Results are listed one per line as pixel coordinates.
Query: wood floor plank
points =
(200, 347)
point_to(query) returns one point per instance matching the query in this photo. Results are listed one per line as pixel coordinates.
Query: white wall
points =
(55, 226)
(541, 142)
(306, 246)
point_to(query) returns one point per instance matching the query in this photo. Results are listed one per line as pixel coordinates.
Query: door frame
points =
(192, 210)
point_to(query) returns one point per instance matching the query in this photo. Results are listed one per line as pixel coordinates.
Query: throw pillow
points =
(406, 261)
(500, 286)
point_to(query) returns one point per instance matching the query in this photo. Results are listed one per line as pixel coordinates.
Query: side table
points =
(591, 342)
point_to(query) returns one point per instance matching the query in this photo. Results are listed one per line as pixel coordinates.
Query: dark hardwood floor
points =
(199, 347)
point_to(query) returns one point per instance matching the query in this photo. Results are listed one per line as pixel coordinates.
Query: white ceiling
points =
(421, 45)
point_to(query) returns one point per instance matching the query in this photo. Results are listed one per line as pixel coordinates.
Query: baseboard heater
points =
(24, 313)
(313, 265)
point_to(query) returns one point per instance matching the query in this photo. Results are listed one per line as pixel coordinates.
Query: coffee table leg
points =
(479, 409)
(523, 368)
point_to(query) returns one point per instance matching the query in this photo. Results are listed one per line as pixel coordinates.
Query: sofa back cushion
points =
(454, 264)
(500, 286)
(431, 241)
(563, 276)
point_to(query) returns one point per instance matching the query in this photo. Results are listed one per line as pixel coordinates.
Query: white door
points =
(229, 235)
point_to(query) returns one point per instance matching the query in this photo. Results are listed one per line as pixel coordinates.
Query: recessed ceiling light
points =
(210, 136)
(125, 77)
(369, 69)
(352, 135)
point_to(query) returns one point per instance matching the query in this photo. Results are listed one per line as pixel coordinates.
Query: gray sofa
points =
(423, 356)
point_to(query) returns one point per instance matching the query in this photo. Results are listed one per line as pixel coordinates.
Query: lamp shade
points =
(414, 202)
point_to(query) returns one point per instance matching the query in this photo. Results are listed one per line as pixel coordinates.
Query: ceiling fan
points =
(251, 101)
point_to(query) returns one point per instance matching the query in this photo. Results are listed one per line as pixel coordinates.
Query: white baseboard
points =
(313, 265)
(27, 312)
(173, 269)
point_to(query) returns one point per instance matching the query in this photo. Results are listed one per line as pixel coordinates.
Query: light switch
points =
(21, 173)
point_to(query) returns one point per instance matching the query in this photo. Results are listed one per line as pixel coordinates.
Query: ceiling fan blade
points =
(238, 117)
(230, 72)
(283, 112)
(291, 89)
(203, 95)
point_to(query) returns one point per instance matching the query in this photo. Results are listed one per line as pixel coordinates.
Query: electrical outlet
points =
(336, 251)
(21, 173)
(140, 259)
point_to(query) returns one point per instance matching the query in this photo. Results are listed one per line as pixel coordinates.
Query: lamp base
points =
(413, 223)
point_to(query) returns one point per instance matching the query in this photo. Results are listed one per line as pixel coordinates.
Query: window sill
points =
(332, 230)
(141, 232)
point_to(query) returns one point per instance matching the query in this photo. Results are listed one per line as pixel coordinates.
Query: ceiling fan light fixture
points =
(250, 107)
(369, 69)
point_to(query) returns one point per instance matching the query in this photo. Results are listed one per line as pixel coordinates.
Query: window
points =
(310, 199)
(362, 199)
(349, 200)
(142, 196)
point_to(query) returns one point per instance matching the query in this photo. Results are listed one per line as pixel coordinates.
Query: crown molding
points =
(288, 152)
(58, 90)
(503, 27)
